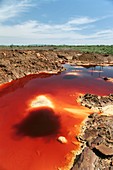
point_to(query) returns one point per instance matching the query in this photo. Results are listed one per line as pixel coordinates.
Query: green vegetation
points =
(102, 49)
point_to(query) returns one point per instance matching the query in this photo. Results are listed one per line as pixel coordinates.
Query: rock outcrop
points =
(97, 140)
(93, 101)
(96, 135)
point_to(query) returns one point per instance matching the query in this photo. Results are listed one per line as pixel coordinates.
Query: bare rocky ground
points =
(98, 103)
(15, 64)
(97, 133)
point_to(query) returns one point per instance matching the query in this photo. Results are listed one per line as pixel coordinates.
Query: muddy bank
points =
(15, 64)
(96, 135)
(93, 59)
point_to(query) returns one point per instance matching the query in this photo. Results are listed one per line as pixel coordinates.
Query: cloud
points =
(34, 28)
(10, 9)
(34, 32)
(74, 31)
(82, 20)
(13, 8)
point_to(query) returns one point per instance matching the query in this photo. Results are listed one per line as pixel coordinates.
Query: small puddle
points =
(37, 109)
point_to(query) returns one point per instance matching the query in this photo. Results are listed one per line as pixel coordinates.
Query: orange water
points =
(28, 136)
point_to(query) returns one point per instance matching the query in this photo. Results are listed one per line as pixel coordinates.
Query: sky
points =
(56, 22)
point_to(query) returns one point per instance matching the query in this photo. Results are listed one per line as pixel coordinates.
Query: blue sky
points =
(71, 22)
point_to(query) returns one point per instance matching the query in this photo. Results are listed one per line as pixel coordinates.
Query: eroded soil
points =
(15, 64)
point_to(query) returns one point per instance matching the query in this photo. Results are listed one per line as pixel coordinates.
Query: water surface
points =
(37, 109)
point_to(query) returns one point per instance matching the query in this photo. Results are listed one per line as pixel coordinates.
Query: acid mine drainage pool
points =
(40, 116)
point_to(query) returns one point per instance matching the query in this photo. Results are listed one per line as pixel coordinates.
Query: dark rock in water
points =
(106, 78)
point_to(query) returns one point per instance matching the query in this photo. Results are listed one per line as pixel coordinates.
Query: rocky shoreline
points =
(96, 135)
(15, 64)
(103, 104)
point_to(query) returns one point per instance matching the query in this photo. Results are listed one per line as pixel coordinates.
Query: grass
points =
(101, 49)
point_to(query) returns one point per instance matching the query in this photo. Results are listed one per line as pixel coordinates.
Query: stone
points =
(85, 161)
(106, 150)
(62, 139)
(38, 54)
(105, 78)
(96, 135)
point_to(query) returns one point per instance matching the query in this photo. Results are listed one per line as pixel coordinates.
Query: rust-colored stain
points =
(36, 111)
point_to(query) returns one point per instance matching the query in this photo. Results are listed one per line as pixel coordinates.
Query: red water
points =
(28, 136)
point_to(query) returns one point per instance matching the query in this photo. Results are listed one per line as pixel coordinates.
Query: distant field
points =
(103, 49)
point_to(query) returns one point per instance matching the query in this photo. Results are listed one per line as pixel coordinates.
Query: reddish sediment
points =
(23, 144)
(29, 135)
